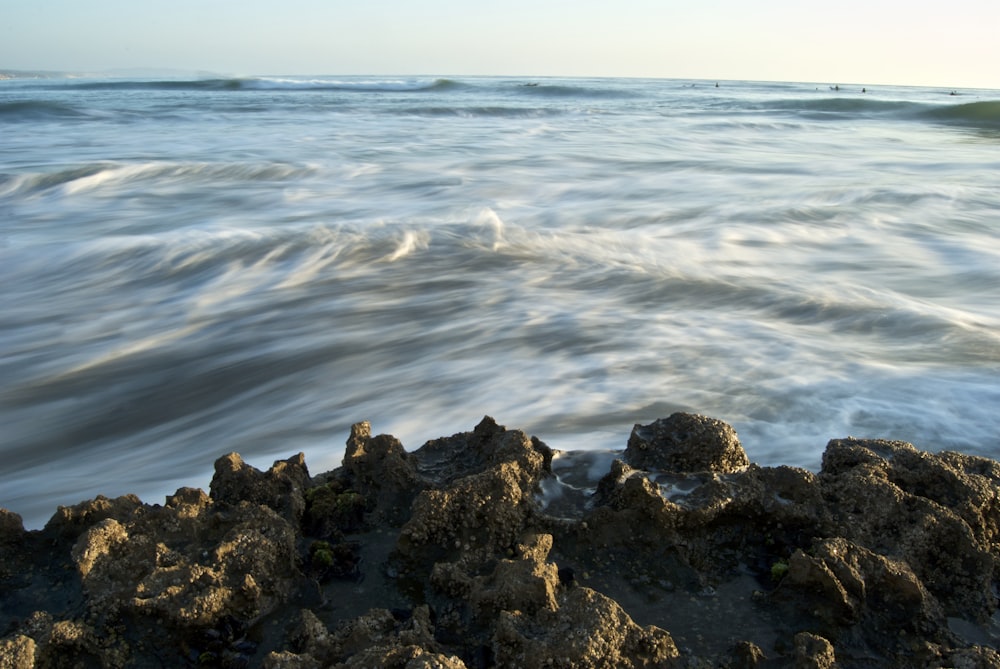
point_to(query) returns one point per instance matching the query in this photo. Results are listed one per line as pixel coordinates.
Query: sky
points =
(951, 44)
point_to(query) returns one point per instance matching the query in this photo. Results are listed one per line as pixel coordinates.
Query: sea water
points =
(190, 267)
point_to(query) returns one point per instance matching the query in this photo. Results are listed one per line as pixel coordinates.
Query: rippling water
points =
(195, 267)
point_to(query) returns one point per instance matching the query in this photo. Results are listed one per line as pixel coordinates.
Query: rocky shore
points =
(488, 548)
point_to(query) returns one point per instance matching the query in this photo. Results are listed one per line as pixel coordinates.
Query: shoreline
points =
(488, 548)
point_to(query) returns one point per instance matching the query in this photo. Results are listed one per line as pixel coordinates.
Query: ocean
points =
(196, 266)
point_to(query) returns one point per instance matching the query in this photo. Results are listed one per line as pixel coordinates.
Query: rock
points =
(848, 590)
(12, 540)
(448, 459)
(481, 513)
(681, 555)
(11, 528)
(241, 567)
(976, 657)
(747, 655)
(383, 473)
(938, 514)
(281, 488)
(17, 652)
(69, 522)
(586, 629)
(527, 583)
(813, 652)
(686, 443)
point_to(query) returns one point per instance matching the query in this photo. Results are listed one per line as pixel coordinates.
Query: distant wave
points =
(585, 89)
(265, 83)
(570, 91)
(473, 111)
(359, 85)
(30, 110)
(842, 106)
(981, 114)
(984, 114)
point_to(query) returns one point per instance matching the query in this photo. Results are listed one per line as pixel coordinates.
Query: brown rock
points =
(860, 565)
(17, 652)
(857, 596)
(813, 652)
(586, 630)
(479, 514)
(242, 566)
(11, 528)
(917, 507)
(747, 655)
(281, 488)
(686, 443)
(381, 471)
(69, 522)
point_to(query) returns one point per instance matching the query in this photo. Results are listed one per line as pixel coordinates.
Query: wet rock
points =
(443, 461)
(12, 540)
(813, 652)
(69, 522)
(383, 473)
(528, 583)
(680, 554)
(853, 594)
(747, 655)
(242, 566)
(281, 488)
(938, 514)
(686, 443)
(585, 629)
(479, 514)
(17, 652)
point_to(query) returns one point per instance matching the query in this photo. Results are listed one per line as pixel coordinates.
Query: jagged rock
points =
(747, 655)
(813, 652)
(12, 540)
(478, 514)
(852, 593)
(17, 652)
(890, 556)
(242, 566)
(686, 443)
(376, 639)
(443, 461)
(61, 643)
(406, 657)
(281, 488)
(381, 470)
(528, 583)
(69, 522)
(976, 657)
(587, 630)
(915, 506)
(12, 530)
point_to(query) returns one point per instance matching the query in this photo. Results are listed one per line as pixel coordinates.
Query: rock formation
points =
(487, 548)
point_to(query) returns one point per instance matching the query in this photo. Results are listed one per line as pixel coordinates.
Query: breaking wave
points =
(982, 114)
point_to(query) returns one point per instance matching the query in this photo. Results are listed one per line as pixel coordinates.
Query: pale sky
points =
(953, 44)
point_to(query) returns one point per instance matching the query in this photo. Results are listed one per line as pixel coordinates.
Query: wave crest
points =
(982, 114)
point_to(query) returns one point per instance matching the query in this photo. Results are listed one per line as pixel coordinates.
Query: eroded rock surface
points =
(487, 549)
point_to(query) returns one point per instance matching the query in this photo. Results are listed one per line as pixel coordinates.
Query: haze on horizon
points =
(853, 41)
